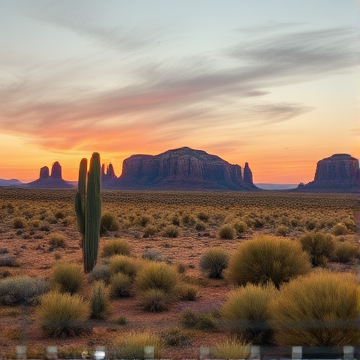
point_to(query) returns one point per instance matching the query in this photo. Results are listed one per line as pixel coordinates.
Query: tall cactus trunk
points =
(88, 210)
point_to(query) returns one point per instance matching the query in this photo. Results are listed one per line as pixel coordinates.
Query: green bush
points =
(19, 223)
(155, 300)
(116, 247)
(319, 246)
(199, 321)
(67, 278)
(62, 315)
(227, 232)
(121, 285)
(57, 240)
(99, 301)
(171, 231)
(131, 345)
(346, 252)
(21, 290)
(157, 276)
(108, 223)
(100, 272)
(317, 310)
(266, 259)
(124, 264)
(213, 262)
(247, 314)
(339, 229)
(232, 349)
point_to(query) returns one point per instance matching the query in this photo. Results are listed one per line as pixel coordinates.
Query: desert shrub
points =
(67, 278)
(59, 214)
(171, 231)
(108, 223)
(175, 220)
(100, 272)
(232, 348)
(57, 240)
(157, 276)
(181, 268)
(121, 320)
(319, 246)
(155, 300)
(203, 217)
(144, 220)
(268, 259)
(63, 314)
(151, 255)
(339, 229)
(44, 226)
(227, 232)
(116, 247)
(281, 230)
(175, 337)
(199, 321)
(200, 226)
(317, 310)
(240, 227)
(121, 285)
(213, 262)
(346, 252)
(188, 220)
(99, 301)
(150, 230)
(131, 345)
(187, 292)
(21, 290)
(19, 223)
(7, 260)
(258, 223)
(124, 264)
(57, 256)
(247, 314)
(35, 223)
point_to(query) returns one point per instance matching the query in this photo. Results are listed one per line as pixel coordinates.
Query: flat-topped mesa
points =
(339, 172)
(44, 172)
(56, 171)
(183, 169)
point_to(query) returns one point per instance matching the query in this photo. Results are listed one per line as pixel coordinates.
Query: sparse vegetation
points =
(213, 262)
(227, 232)
(116, 247)
(67, 278)
(99, 301)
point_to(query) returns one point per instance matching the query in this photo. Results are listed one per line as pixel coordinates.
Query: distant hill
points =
(11, 182)
(266, 186)
(181, 169)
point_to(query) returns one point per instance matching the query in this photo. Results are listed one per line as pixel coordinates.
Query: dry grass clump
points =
(67, 278)
(246, 313)
(124, 264)
(100, 272)
(131, 345)
(19, 223)
(200, 321)
(213, 262)
(187, 292)
(150, 230)
(99, 301)
(8, 261)
(268, 259)
(232, 348)
(57, 240)
(227, 232)
(108, 223)
(319, 246)
(346, 252)
(63, 315)
(171, 231)
(155, 300)
(116, 247)
(339, 229)
(21, 290)
(120, 285)
(317, 310)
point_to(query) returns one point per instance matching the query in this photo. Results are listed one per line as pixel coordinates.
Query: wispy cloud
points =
(174, 99)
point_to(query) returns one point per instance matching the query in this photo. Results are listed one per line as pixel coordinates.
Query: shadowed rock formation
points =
(183, 169)
(338, 173)
(54, 181)
(108, 177)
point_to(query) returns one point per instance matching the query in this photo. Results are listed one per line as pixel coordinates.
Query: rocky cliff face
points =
(54, 181)
(339, 172)
(183, 169)
(108, 176)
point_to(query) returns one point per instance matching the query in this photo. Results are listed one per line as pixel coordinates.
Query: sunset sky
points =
(271, 82)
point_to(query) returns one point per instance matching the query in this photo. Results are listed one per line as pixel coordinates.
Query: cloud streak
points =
(175, 99)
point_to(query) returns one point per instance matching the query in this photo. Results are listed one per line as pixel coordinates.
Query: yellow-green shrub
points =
(67, 278)
(232, 348)
(121, 285)
(213, 262)
(266, 259)
(247, 314)
(99, 301)
(124, 264)
(320, 309)
(116, 247)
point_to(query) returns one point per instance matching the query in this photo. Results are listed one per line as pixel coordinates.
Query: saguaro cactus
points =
(88, 209)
